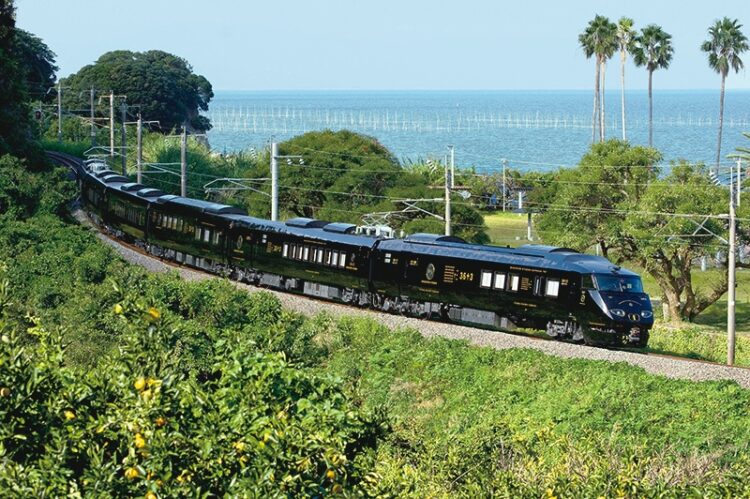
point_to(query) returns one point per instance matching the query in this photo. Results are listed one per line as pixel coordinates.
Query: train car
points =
(190, 231)
(565, 293)
(303, 255)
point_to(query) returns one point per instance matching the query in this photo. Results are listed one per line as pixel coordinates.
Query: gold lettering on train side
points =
(563, 282)
(465, 276)
(413, 263)
(527, 269)
(525, 284)
(524, 304)
(449, 274)
(582, 301)
(434, 283)
(312, 271)
(431, 291)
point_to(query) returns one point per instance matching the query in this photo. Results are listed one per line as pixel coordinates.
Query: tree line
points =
(652, 48)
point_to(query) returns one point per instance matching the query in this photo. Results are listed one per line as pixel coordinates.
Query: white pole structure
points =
(59, 112)
(448, 181)
(274, 181)
(732, 275)
(93, 124)
(453, 166)
(505, 192)
(139, 148)
(124, 138)
(183, 163)
(112, 126)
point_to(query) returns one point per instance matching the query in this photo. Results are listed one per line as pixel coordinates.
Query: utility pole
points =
(274, 181)
(505, 166)
(183, 162)
(732, 274)
(112, 126)
(93, 124)
(453, 166)
(139, 149)
(59, 111)
(448, 182)
(123, 137)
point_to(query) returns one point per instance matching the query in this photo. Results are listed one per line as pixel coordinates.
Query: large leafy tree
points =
(724, 45)
(599, 40)
(38, 64)
(653, 49)
(162, 84)
(625, 36)
(615, 199)
(15, 129)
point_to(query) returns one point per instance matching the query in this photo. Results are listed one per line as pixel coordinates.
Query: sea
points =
(528, 130)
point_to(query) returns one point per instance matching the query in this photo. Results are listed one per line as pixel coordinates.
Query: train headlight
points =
(618, 312)
(646, 314)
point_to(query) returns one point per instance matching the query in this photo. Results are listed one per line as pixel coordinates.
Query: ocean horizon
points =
(531, 129)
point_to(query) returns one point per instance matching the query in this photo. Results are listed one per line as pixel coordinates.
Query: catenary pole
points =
(274, 181)
(183, 163)
(139, 148)
(447, 201)
(123, 137)
(112, 126)
(732, 274)
(92, 116)
(453, 166)
(505, 192)
(59, 112)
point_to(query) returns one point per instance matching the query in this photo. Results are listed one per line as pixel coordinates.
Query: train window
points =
(306, 254)
(342, 259)
(180, 224)
(587, 282)
(334, 258)
(319, 258)
(217, 236)
(198, 233)
(499, 280)
(515, 280)
(328, 257)
(486, 281)
(285, 250)
(553, 287)
(206, 235)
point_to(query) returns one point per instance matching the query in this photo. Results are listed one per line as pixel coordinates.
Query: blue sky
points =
(383, 44)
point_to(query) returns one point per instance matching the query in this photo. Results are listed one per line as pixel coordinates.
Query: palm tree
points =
(598, 39)
(724, 46)
(625, 35)
(653, 49)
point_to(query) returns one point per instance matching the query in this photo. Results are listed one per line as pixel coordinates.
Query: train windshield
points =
(627, 284)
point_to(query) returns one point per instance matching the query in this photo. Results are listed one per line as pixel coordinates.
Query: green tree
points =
(653, 49)
(38, 64)
(599, 40)
(162, 84)
(615, 199)
(15, 120)
(625, 35)
(725, 44)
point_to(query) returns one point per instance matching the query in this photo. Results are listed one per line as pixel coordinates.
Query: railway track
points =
(655, 363)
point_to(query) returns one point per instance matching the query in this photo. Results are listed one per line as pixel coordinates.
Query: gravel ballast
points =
(655, 364)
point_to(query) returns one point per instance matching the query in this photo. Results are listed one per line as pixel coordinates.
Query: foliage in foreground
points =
(139, 423)
(471, 421)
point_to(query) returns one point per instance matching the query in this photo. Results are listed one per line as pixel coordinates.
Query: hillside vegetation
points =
(125, 383)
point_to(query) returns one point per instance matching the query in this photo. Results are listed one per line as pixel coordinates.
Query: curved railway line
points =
(659, 364)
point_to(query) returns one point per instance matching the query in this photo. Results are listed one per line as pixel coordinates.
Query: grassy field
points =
(508, 229)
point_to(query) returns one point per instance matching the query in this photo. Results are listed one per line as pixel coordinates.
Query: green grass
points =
(508, 229)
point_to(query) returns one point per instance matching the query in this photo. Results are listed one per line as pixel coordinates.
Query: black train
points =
(565, 293)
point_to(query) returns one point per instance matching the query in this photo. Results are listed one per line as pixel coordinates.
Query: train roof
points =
(529, 255)
(200, 205)
(309, 229)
